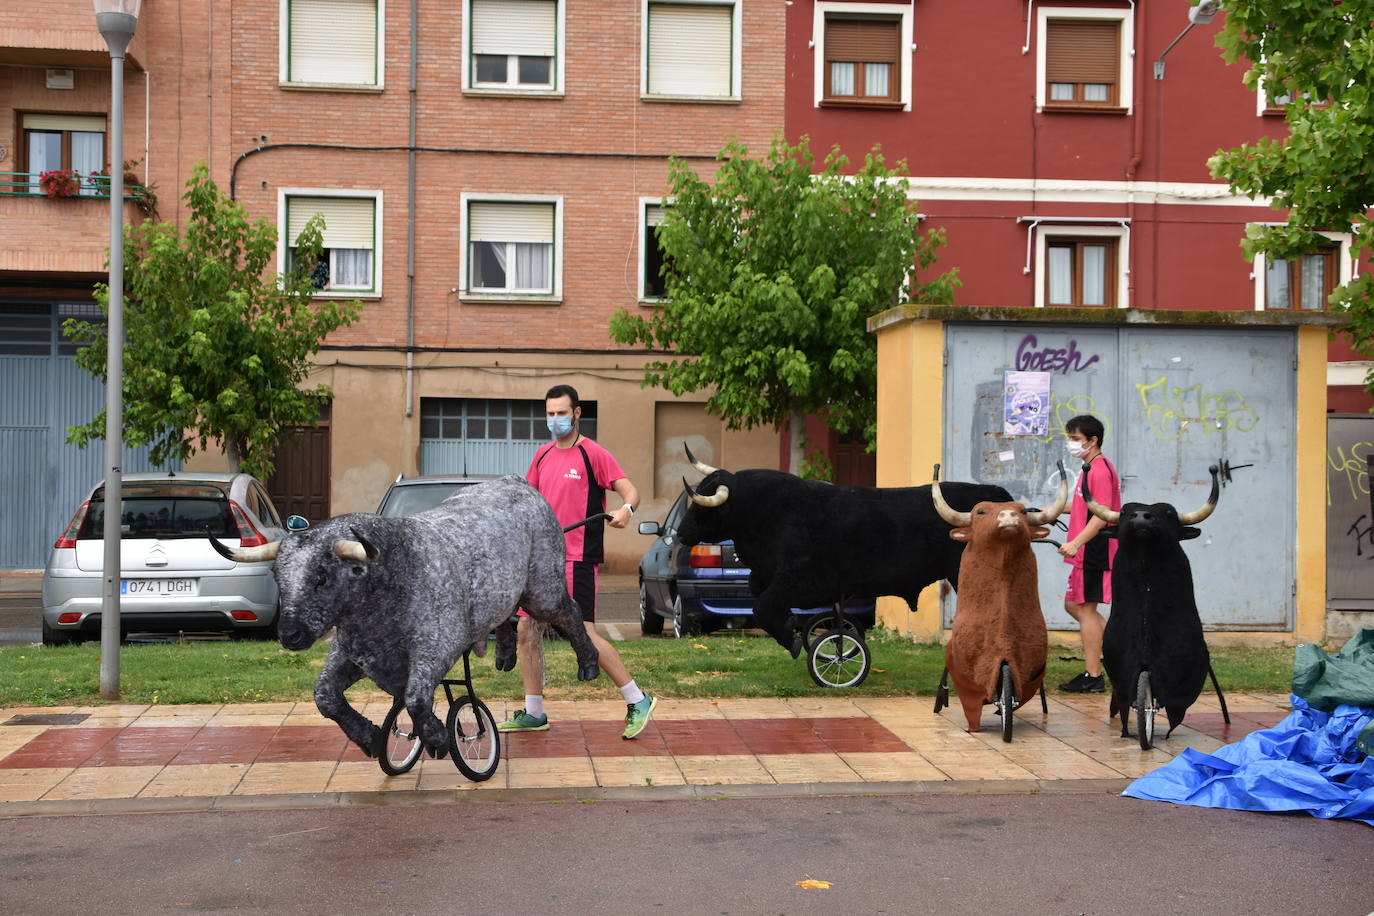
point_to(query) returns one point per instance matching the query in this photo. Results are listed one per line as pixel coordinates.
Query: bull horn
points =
(1045, 516)
(715, 499)
(259, 554)
(361, 549)
(1110, 516)
(702, 468)
(957, 519)
(1192, 518)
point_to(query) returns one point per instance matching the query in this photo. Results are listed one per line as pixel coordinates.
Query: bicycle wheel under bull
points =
(400, 741)
(1006, 701)
(474, 743)
(1145, 709)
(840, 658)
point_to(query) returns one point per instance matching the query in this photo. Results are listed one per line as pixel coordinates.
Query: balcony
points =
(57, 33)
(41, 234)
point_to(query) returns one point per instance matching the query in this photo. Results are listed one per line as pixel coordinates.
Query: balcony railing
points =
(26, 183)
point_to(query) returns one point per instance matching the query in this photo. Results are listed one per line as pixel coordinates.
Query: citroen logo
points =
(157, 556)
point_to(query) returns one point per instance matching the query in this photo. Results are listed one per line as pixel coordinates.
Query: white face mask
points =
(1075, 448)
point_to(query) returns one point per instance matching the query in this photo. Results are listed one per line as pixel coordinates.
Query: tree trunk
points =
(231, 452)
(796, 424)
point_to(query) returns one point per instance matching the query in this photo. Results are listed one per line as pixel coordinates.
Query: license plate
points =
(157, 587)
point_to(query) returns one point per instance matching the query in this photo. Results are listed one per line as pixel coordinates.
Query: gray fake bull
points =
(408, 596)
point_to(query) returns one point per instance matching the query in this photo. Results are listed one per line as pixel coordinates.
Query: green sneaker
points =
(637, 715)
(524, 722)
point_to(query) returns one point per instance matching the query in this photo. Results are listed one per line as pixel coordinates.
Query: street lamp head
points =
(117, 20)
(1204, 12)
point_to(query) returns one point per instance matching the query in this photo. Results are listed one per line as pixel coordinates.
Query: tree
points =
(1319, 53)
(217, 343)
(771, 276)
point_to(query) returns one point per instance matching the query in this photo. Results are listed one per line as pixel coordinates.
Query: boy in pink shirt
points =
(1087, 550)
(573, 473)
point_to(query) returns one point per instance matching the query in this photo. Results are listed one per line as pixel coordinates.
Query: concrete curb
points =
(419, 797)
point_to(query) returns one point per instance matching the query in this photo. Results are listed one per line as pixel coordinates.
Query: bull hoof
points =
(378, 745)
(504, 663)
(588, 672)
(796, 647)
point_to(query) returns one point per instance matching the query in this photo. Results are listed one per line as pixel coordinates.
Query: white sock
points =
(534, 705)
(631, 692)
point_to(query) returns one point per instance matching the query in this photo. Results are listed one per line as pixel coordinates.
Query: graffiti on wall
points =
(1169, 411)
(1033, 358)
(1349, 467)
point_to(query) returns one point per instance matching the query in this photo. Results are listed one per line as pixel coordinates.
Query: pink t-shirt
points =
(1105, 487)
(574, 481)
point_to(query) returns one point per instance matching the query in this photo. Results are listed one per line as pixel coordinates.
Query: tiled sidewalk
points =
(55, 760)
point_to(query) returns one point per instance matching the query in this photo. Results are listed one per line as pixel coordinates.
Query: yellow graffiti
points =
(1354, 464)
(1170, 411)
(1062, 409)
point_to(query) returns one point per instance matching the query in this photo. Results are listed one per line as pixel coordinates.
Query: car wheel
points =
(683, 623)
(650, 624)
(53, 637)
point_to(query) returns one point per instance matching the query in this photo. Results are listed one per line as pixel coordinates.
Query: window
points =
(862, 60)
(1305, 282)
(55, 141)
(333, 42)
(350, 261)
(653, 286)
(511, 247)
(1084, 62)
(691, 50)
(486, 435)
(1080, 271)
(512, 44)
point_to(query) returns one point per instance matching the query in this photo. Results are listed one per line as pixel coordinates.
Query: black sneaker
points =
(1084, 683)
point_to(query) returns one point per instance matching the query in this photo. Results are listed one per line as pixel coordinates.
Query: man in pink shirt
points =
(1089, 551)
(574, 473)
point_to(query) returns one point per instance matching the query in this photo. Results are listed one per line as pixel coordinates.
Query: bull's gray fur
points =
(441, 581)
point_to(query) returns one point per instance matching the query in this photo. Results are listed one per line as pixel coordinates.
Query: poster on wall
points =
(1026, 403)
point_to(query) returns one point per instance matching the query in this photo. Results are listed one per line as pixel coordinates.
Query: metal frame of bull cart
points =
(473, 740)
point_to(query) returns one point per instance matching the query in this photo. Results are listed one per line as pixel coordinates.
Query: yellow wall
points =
(1310, 563)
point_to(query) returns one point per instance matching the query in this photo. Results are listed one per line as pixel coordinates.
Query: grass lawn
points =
(724, 665)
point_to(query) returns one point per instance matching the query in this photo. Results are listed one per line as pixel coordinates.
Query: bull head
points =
(722, 492)
(1112, 517)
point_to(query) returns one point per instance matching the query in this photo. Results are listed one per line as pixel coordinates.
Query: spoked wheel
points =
(817, 627)
(401, 744)
(1006, 701)
(473, 740)
(1145, 710)
(840, 658)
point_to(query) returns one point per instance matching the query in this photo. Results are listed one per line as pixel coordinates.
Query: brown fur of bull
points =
(998, 617)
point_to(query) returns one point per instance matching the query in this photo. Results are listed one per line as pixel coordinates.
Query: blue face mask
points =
(559, 426)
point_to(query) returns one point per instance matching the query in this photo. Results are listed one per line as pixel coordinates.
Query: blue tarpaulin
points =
(1309, 762)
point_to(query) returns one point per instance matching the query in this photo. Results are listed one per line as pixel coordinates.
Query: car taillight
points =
(705, 555)
(248, 535)
(243, 615)
(68, 538)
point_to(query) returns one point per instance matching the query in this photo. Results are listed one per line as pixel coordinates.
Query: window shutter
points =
(861, 40)
(348, 221)
(502, 221)
(690, 49)
(64, 122)
(1082, 51)
(333, 41)
(525, 27)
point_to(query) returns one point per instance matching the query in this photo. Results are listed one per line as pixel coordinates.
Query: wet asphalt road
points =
(1031, 854)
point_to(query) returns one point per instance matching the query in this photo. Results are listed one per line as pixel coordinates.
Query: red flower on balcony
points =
(59, 182)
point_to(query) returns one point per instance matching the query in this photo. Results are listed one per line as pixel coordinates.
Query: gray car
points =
(171, 580)
(408, 495)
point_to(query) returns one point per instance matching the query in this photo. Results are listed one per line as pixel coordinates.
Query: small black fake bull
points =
(406, 597)
(1154, 622)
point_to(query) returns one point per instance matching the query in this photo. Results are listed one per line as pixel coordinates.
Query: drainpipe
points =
(1138, 143)
(410, 220)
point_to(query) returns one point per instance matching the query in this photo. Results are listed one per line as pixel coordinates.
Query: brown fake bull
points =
(998, 616)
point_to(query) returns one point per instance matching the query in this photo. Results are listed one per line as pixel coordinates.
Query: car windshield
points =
(179, 511)
(412, 498)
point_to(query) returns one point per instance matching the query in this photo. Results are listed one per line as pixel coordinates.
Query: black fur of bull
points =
(1154, 621)
(810, 544)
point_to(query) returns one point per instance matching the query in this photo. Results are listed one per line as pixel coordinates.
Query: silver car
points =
(408, 495)
(171, 579)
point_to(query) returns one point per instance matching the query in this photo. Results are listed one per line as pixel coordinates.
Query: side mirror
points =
(650, 528)
(296, 523)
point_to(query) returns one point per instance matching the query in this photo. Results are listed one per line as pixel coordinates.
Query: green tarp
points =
(1327, 681)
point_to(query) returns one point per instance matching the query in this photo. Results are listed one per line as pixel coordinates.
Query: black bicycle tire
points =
(1008, 700)
(407, 761)
(1145, 711)
(855, 648)
(486, 724)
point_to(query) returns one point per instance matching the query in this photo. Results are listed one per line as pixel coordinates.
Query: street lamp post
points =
(117, 20)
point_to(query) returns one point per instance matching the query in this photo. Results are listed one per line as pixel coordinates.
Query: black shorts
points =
(582, 587)
(1092, 585)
